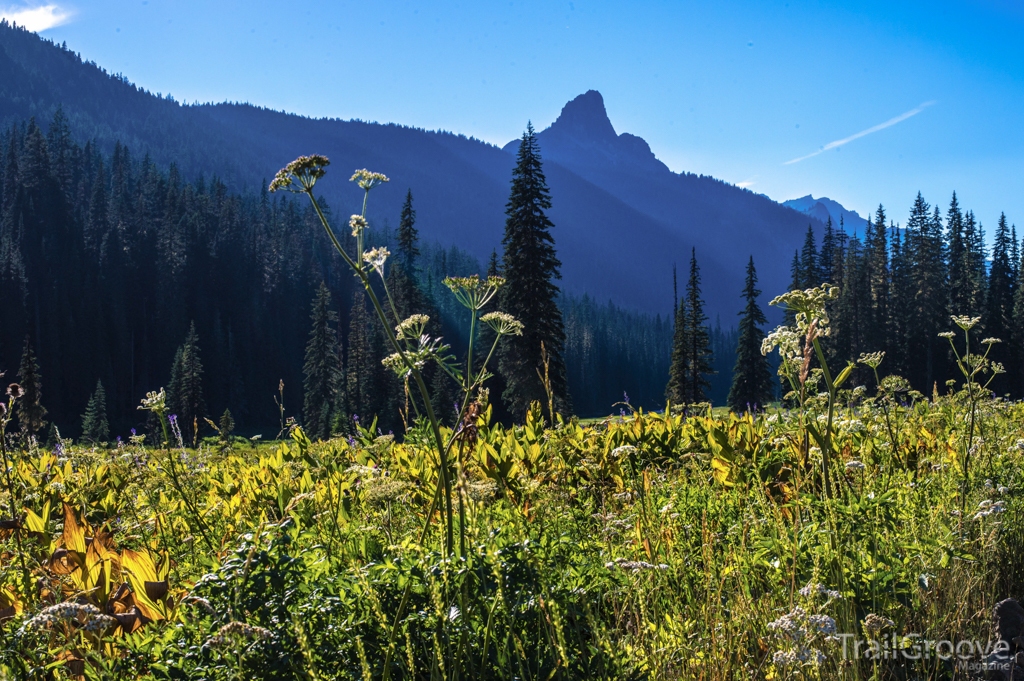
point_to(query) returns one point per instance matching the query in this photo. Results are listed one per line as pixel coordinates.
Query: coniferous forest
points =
(111, 267)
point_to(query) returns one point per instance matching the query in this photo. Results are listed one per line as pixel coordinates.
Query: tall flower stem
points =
(413, 370)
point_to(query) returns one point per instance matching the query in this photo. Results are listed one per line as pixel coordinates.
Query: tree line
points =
(118, 277)
(898, 286)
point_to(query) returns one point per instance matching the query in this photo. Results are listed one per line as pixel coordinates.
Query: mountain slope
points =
(724, 223)
(823, 208)
(622, 219)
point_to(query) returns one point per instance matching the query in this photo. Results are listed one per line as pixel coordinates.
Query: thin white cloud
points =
(744, 184)
(881, 126)
(36, 19)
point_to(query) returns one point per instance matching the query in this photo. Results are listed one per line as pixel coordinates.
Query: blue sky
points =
(744, 91)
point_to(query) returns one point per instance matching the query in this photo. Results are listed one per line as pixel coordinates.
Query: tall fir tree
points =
(363, 377)
(876, 261)
(691, 353)
(676, 390)
(1016, 351)
(901, 304)
(530, 293)
(95, 427)
(929, 315)
(957, 259)
(322, 369)
(977, 269)
(185, 397)
(998, 317)
(752, 382)
(827, 256)
(30, 409)
(810, 274)
(796, 283)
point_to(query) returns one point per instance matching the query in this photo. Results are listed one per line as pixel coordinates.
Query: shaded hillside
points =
(622, 219)
(725, 223)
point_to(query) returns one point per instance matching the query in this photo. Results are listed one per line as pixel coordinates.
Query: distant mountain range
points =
(622, 218)
(824, 208)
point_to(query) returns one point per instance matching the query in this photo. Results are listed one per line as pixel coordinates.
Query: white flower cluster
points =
(230, 632)
(875, 623)
(412, 327)
(624, 450)
(814, 590)
(634, 565)
(358, 224)
(800, 655)
(803, 631)
(376, 258)
(88, 617)
(989, 507)
(854, 466)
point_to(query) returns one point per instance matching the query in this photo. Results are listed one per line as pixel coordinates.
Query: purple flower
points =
(133, 432)
(625, 397)
(173, 418)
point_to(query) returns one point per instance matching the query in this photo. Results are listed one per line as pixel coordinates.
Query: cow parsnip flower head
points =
(412, 327)
(964, 322)
(809, 306)
(376, 258)
(155, 402)
(368, 180)
(358, 224)
(871, 359)
(503, 323)
(991, 341)
(787, 340)
(947, 334)
(428, 348)
(303, 171)
(474, 292)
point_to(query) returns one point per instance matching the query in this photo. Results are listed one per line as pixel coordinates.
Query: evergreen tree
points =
(30, 409)
(876, 261)
(226, 425)
(1017, 334)
(95, 427)
(977, 270)
(810, 275)
(185, 391)
(530, 294)
(901, 304)
(322, 369)
(929, 315)
(796, 283)
(752, 383)
(851, 322)
(998, 316)
(676, 391)
(364, 377)
(827, 258)
(960, 282)
(691, 364)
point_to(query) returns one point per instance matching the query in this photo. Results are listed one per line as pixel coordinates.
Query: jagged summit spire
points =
(585, 116)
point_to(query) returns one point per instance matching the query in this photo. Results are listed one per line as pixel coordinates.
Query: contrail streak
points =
(881, 126)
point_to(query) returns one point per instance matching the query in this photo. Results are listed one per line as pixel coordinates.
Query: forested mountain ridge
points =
(616, 242)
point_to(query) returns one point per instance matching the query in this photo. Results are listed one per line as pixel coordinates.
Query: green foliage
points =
(94, 421)
(650, 546)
